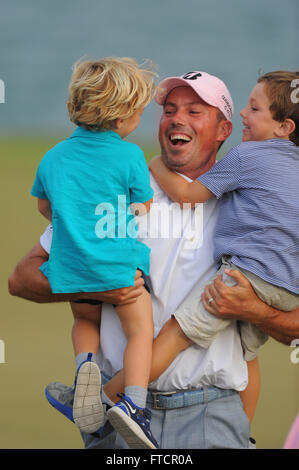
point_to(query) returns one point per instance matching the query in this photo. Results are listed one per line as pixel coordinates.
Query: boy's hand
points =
(44, 208)
(156, 164)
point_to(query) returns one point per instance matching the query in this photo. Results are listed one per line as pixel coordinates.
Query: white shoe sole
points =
(88, 412)
(128, 429)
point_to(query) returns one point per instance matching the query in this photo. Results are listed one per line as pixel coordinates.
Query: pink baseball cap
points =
(208, 87)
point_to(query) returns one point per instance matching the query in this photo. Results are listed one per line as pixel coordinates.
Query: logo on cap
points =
(192, 75)
(227, 106)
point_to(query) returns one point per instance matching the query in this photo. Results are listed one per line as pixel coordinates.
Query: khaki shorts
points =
(201, 327)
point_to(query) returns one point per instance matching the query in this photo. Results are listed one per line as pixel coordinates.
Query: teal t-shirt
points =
(90, 179)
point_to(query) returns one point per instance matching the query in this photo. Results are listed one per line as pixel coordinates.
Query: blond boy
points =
(78, 186)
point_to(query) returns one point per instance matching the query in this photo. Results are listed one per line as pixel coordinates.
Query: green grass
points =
(37, 337)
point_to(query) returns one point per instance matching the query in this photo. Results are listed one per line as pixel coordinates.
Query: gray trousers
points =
(219, 424)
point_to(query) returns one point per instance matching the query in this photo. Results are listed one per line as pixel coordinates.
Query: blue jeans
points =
(219, 424)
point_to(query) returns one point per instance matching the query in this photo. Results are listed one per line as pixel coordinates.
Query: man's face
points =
(190, 132)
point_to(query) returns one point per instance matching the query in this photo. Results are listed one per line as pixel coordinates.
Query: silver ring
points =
(210, 300)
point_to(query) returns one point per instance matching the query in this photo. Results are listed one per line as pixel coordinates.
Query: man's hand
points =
(241, 303)
(125, 295)
(238, 302)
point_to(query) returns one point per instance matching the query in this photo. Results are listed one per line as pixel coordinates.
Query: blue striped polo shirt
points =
(258, 225)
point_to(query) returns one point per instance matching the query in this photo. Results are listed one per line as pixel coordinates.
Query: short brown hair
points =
(102, 91)
(279, 90)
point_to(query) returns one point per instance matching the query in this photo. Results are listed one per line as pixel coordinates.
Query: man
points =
(195, 403)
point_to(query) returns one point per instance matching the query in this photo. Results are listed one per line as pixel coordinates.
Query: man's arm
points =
(28, 282)
(241, 303)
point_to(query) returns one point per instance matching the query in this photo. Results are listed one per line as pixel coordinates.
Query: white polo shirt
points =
(177, 263)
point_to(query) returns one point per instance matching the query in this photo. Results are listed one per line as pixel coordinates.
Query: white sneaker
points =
(88, 412)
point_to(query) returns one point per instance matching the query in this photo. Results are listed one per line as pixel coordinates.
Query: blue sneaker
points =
(132, 423)
(61, 398)
(88, 410)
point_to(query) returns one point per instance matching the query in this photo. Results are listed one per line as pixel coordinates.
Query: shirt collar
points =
(81, 132)
(282, 141)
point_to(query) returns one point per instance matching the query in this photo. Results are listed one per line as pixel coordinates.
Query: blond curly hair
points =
(104, 90)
